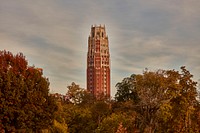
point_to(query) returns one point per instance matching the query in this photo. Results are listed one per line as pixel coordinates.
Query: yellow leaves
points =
(164, 94)
(60, 127)
(165, 112)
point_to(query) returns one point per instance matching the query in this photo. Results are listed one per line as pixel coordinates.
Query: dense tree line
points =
(153, 102)
(162, 101)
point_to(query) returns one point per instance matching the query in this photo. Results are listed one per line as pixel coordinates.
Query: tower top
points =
(103, 26)
(98, 31)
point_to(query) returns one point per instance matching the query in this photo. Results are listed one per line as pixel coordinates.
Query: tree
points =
(161, 95)
(184, 102)
(24, 95)
(126, 90)
(78, 118)
(59, 127)
(117, 122)
(121, 129)
(75, 93)
(100, 109)
(59, 124)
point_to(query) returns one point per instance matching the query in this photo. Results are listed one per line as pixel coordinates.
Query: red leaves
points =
(8, 62)
(22, 90)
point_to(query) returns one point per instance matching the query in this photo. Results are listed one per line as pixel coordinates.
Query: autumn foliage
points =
(162, 101)
(24, 95)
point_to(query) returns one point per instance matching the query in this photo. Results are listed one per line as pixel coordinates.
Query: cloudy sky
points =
(52, 34)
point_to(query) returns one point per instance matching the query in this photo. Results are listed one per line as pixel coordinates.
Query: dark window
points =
(92, 34)
(98, 34)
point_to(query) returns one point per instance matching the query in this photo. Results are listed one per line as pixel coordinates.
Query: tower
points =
(98, 62)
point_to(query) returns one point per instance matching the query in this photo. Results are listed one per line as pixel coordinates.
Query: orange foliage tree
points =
(24, 95)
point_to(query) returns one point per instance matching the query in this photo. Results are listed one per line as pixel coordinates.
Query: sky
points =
(53, 35)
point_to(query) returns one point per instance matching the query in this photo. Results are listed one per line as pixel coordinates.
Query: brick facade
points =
(98, 62)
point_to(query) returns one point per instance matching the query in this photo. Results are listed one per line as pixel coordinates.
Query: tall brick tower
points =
(98, 62)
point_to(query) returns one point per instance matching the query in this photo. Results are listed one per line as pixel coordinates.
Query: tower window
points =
(98, 34)
(92, 34)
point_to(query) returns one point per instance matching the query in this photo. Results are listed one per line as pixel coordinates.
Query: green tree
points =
(126, 90)
(59, 127)
(100, 109)
(78, 119)
(161, 95)
(184, 102)
(110, 124)
(75, 93)
(24, 95)
(59, 124)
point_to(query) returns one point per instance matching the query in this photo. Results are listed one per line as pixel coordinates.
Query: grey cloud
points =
(53, 35)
